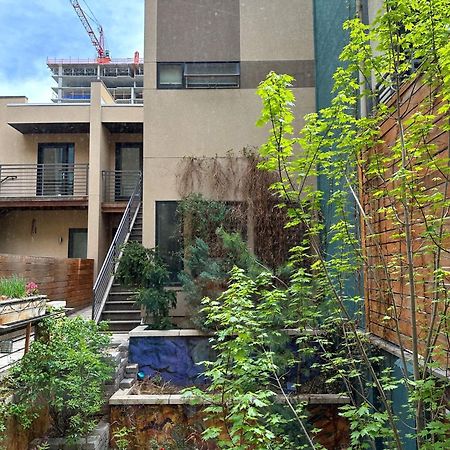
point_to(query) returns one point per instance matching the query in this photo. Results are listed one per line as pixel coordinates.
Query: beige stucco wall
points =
(99, 142)
(205, 123)
(209, 122)
(276, 30)
(48, 113)
(374, 6)
(18, 148)
(11, 141)
(122, 113)
(39, 232)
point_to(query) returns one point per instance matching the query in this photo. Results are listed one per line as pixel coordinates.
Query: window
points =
(203, 75)
(168, 237)
(170, 76)
(55, 173)
(77, 243)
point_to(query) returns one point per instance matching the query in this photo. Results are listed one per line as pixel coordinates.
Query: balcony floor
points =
(114, 207)
(43, 202)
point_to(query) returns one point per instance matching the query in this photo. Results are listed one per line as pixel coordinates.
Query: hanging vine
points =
(236, 179)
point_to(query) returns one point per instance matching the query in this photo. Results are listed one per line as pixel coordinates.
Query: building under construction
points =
(124, 78)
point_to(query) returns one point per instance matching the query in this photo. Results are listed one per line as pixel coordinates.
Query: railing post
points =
(87, 179)
(104, 186)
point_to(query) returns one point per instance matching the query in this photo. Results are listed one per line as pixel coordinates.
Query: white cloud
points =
(37, 88)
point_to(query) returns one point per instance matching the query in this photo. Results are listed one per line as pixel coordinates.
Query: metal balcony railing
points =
(43, 180)
(118, 185)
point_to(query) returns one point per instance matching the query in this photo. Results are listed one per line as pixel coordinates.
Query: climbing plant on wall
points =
(237, 178)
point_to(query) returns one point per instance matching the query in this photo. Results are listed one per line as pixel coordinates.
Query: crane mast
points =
(97, 42)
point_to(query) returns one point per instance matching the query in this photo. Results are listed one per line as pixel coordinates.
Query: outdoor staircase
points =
(120, 310)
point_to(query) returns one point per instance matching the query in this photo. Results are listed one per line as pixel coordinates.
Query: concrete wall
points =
(209, 122)
(18, 148)
(202, 30)
(39, 232)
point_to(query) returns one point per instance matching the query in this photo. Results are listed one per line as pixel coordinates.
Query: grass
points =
(13, 287)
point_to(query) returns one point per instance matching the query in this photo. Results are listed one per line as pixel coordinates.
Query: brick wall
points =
(58, 278)
(387, 287)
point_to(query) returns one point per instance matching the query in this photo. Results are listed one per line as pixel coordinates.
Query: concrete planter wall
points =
(161, 417)
(16, 309)
(98, 439)
(172, 354)
(175, 356)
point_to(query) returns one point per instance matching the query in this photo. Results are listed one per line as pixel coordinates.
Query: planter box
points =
(17, 309)
(98, 439)
(164, 416)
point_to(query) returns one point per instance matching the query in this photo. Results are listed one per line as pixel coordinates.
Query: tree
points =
(407, 173)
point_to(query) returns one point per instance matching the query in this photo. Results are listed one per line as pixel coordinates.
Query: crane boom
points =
(97, 42)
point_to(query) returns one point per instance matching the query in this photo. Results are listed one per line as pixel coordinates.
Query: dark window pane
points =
(78, 243)
(198, 75)
(168, 236)
(209, 68)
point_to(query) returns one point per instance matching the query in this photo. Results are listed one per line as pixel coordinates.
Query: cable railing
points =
(43, 180)
(118, 185)
(105, 277)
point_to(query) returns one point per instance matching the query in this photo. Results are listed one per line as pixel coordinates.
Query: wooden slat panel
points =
(383, 247)
(58, 278)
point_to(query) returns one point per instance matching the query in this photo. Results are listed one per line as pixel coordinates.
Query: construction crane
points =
(97, 42)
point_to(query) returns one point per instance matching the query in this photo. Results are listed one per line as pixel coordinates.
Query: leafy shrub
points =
(64, 370)
(142, 268)
(17, 287)
(13, 287)
(208, 276)
(248, 344)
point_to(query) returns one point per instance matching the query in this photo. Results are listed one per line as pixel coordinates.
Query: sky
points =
(32, 30)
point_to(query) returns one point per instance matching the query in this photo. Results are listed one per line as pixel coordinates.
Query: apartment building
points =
(68, 168)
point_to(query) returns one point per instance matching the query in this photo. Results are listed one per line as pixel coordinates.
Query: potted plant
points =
(20, 300)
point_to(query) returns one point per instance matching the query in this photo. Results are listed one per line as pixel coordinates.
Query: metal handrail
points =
(105, 277)
(44, 180)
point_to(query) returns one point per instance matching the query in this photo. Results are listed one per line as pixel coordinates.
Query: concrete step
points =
(121, 295)
(131, 370)
(121, 314)
(121, 305)
(123, 325)
(127, 383)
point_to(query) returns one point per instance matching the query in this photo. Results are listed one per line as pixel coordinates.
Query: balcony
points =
(44, 185)
(117, 187)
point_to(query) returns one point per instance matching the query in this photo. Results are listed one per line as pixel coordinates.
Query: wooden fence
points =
(387, 285)
(58, 278)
